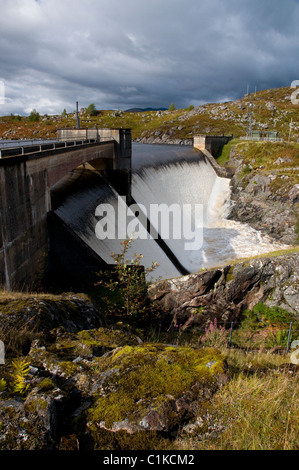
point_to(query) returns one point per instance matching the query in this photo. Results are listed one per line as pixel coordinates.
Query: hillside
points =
(205, 358)
(272, 111)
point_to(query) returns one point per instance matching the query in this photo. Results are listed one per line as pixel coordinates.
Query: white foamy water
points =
(197, 183)
(191, 183)
(78, 212)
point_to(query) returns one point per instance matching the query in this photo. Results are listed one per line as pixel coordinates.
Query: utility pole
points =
(77, 115)
(250, 112)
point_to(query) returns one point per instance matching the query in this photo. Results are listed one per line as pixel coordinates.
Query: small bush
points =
(262, 316)
(264, 327)
(34, 116)
(91, 110)
(127, 285)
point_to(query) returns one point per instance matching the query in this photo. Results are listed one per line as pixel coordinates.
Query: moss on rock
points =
(153, 387)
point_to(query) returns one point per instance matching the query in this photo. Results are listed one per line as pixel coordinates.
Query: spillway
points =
(182, 179)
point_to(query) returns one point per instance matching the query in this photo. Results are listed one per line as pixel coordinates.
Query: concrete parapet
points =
(211, 143)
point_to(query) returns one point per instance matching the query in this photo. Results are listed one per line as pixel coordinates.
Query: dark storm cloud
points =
(143, 53)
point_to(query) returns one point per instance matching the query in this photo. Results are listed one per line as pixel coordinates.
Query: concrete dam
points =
(173, 176)
(54, 212)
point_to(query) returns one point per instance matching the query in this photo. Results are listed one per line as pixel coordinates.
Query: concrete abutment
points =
(25, 202)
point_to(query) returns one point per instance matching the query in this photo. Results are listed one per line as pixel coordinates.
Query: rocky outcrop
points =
(225, 292)
(42, 313)
(103, 388)
(255, 201)
(154, 387)
(91, 388)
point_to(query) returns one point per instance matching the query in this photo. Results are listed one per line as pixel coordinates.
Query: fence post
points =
(289, 337)
(231, 334)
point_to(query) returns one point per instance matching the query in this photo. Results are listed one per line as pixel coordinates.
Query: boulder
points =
(118, 387)
(155, 388)
(42, 313)
(31, 423)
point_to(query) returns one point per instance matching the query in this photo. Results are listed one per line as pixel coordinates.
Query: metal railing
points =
(19, 150)
(261, 139)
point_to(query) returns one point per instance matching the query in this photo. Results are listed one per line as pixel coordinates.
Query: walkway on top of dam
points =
(44, 148)
(111, 151)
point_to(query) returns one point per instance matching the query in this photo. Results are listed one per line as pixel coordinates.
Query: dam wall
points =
(25, 201)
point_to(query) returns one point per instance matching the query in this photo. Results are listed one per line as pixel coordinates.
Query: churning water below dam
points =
(174, 176)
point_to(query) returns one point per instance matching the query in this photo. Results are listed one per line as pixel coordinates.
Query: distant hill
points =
(271, 111)
(144, 110)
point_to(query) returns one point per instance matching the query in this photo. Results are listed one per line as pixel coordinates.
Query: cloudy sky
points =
(119, 54)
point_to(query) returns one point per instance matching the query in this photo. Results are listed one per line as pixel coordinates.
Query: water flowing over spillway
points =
(182, 180)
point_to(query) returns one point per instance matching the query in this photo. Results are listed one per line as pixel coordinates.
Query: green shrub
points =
(261, 316)
(127, 284)
(264, 327)
(34, 116)
(91, 110)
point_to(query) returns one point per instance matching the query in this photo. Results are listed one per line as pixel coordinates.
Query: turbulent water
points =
(178, 177)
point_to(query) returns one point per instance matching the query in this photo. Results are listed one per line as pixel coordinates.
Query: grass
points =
(266, 154)
(224, 155)
(256, 410)
(272, 254)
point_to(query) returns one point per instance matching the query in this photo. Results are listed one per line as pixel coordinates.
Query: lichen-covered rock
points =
(128, 392)
(154, 388)
(31, 423)
(65, 370)
(88, 343)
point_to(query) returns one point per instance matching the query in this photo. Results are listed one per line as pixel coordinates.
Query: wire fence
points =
(234, 334)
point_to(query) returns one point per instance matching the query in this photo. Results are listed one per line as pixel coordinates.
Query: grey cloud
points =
(122, 54)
